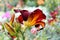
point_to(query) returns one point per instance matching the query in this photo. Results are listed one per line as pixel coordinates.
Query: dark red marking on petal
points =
(37, 25)
(41, 23)
(25, 14)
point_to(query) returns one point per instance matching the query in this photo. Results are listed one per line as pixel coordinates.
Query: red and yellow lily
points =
(27, 19)
(31, 18)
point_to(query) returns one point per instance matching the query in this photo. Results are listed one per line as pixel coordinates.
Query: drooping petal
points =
(20, 19)
(24, 14)
(40, 25)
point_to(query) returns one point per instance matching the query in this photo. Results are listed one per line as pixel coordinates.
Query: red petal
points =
(35, 16)
(20, 19)
(25, 14)
(41, 17)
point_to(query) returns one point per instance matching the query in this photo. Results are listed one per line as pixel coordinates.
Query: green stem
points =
(17, 37)
(23, 36)
(22, 33)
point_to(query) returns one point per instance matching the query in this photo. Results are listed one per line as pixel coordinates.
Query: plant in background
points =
(54, 18)
(40, 2)
(51, 5)
(5, 16)
(54, 21)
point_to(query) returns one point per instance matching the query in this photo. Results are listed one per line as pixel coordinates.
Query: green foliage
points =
(31, 3)
(51, 4)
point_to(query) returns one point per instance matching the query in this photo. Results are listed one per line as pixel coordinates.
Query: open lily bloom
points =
(31, 18)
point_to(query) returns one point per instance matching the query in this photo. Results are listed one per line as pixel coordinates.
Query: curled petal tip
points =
(16, 10)
(40, 25)
(40, 13)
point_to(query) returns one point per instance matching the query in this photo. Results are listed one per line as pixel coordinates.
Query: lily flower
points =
(53, 20)
(31, 18)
